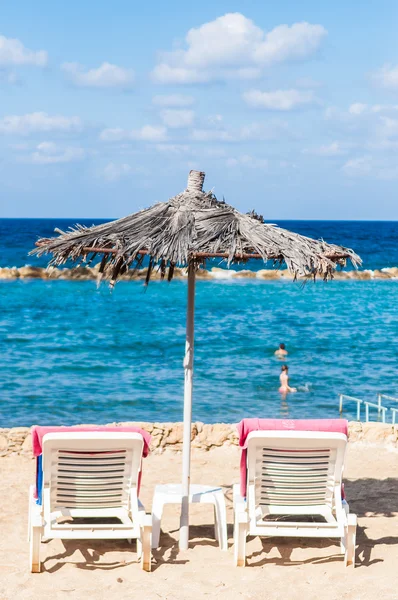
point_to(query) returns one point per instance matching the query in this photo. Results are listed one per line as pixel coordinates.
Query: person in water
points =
(284, 379)
(281, 352)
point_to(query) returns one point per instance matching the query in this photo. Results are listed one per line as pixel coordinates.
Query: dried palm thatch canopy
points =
(188, 229)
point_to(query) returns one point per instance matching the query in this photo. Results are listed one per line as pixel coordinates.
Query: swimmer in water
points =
(284, 379)
(281, 352)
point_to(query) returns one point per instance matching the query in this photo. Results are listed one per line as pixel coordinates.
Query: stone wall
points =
(18, 440)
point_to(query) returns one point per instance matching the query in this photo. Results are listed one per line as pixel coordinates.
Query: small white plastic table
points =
(171, 493)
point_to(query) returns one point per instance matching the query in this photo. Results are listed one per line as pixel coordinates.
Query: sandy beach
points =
(276, 569)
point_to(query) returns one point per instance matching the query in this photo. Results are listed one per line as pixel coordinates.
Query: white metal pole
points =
(186, 448)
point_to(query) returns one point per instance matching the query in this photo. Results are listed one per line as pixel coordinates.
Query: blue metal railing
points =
(394, 411)
(351, 399)
(381, 410)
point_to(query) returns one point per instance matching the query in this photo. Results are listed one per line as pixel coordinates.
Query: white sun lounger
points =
(294, 474)
(90, 476)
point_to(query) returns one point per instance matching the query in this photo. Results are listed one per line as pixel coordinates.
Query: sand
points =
(277, 569)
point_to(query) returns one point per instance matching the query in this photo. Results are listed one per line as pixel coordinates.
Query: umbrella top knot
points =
(195, 181)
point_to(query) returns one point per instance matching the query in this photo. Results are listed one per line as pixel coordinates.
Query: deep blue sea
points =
(73, 354)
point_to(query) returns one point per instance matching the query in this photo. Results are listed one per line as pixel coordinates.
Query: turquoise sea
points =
(73, 354)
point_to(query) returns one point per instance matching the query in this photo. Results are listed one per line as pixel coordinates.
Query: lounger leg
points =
(221, 521)
(35, 540)
(216, 525)
(146, 531)
(350, 541)
(240, 533)
(139, 548)
(29, 510)
(157, 511)
(35, 533)
(342, 544)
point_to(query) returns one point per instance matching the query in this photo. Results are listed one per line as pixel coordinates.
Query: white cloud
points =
(8, 77)
(212, 135)
(247, 161)
(114, 172)
(174, 100)
(105, 76)
(259, 131)
(232, 46)
(175, 149)
(369, 166)
(279, 99)
(176, 119)
(254, 131)
(308, 83)
(14, 53)
(357, 108)
(388, 127)
(38, 122)
(148, 133)
(387, 77)
(333, 149)
(48, 153)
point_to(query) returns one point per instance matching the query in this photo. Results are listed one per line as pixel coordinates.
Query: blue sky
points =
(290, 108)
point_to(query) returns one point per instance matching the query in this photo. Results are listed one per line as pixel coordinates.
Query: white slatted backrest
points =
(91, 470)
(294, 468)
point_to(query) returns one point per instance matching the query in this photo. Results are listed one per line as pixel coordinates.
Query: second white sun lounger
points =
(294, 490)
(90, 478)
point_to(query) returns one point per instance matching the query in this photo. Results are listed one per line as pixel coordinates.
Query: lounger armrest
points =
(240, 506)
(236, 495)
(145, 520)
(36, 517)
(351, 520)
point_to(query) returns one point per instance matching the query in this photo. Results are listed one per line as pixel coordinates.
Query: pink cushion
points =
(39, 432)
(246, 426)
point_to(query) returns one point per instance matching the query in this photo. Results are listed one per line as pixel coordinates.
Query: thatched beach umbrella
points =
(185, 231)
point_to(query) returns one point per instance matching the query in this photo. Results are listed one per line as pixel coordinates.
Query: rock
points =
(203, 274)
(54, 273)
(199, 426)
(354, 431)
(217, 273)
(214, 435)
(285, 273)
(381, 275)
(27, 445)
(174, 435)
(362, 275)
(18, 432)
(268, 274)
(82, 273)
(3, 445)
(378, 432)
(32, 273)
(245, 273)
(9, 273)
(392, 271)
(148, 427)
(155, 442)
(64, 274)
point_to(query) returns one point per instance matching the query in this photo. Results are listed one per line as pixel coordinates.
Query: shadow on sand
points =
(370, 498)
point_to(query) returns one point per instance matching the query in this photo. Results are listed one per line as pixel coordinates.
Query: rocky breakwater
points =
(18, 440)
(91, 273)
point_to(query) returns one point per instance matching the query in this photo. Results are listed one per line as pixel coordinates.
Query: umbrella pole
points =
(186, 448)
